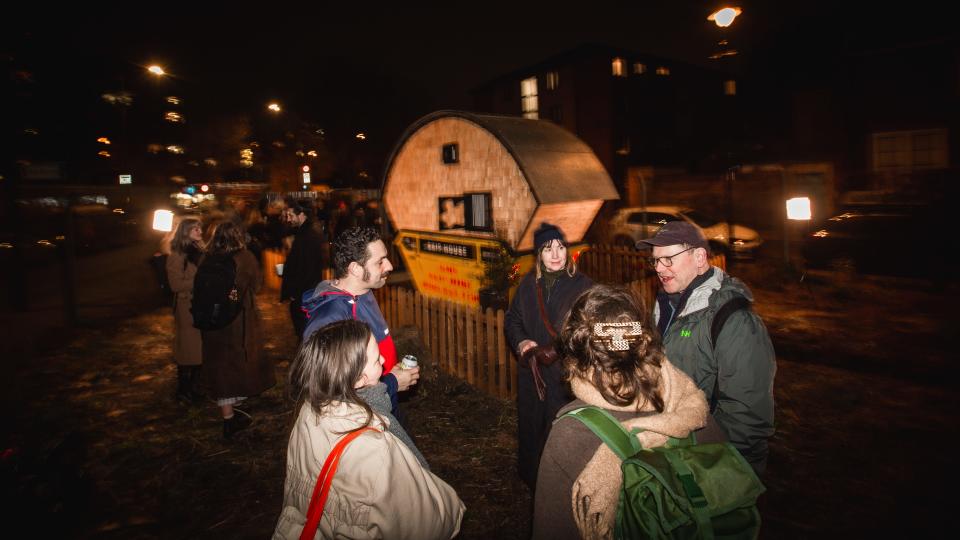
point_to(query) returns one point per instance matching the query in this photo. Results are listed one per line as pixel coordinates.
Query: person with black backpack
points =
(224, 308)
(186, 249)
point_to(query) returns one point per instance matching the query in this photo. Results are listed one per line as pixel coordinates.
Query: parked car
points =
(627, 227)
(907, 242)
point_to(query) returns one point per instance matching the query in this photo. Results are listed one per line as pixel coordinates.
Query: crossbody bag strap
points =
(543, 312)
(319, 498)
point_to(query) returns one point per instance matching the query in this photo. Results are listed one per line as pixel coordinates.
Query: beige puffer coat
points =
(380, 490)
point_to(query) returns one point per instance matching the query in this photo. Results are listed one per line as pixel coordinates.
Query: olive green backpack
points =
(681, 490)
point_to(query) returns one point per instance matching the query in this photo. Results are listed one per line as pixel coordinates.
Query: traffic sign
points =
(126, 178)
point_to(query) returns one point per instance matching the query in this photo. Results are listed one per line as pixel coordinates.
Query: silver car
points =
(627, 227)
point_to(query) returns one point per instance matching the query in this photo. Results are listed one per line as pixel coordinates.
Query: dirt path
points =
(95, 447)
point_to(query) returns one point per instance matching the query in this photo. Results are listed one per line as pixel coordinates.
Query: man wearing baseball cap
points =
(711, 333)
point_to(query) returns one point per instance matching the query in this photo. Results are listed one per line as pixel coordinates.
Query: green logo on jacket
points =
(685, 332)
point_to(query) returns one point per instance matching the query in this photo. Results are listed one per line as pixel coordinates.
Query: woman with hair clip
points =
(186, 248)
(234, 366)
(614, 360)
(542, 300)
(380, 487)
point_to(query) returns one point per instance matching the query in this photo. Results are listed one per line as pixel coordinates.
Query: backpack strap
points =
(733, 305)
(319, 498)
(623, 443)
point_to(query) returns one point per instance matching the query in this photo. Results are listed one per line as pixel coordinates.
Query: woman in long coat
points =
(540, 389)
(186, 248)
(234, 366)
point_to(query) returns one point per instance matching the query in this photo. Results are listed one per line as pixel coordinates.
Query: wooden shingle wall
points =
(418, 177)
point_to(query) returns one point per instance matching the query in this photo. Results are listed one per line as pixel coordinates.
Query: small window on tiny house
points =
(451, 153)
(478, 211)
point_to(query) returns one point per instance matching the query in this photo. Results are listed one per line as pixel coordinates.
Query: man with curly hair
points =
(360, 265)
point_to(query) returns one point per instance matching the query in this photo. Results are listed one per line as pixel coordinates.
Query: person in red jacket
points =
(361, 265)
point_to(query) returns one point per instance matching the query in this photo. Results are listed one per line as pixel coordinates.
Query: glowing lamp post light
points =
(724, 17)
(163, 220)
(798, 208)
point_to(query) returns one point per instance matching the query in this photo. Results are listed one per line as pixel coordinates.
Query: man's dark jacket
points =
(303, 268)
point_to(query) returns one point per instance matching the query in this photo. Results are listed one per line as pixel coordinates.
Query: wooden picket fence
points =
(463, 341)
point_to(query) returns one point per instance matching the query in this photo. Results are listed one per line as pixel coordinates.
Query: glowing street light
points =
(156, 70)
(724, 17)
(274, 106)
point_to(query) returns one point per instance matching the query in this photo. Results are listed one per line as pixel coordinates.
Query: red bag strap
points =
(319, 498)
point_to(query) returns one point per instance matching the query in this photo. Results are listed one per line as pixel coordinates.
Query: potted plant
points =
(500, 274)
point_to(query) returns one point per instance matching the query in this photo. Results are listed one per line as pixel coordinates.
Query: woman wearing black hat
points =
(541, 304)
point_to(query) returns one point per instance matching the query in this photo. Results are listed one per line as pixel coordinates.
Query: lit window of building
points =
(553, 80)
(663, 70)
(528, 98)
(910, 150)
(639, 68)
(730, 88)
(617, 67)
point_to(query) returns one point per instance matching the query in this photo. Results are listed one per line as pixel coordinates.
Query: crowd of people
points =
(699, 361)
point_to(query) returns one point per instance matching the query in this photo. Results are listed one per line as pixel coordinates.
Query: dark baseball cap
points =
(673, 233)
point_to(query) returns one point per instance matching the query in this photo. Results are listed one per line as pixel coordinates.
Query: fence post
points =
(470, 343)
(501, 356)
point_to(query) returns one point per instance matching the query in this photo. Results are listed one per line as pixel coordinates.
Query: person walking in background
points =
(360, 265)
(541, 303)
(614, 360)
(380, 489)
(736, 370)
(304, 265)
(234, 366)
(186, 249)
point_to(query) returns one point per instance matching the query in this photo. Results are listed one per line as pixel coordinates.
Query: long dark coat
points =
(232, 360)
(523, 321)
(187, 347)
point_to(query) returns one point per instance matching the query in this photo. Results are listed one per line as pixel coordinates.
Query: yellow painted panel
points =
(449, 266)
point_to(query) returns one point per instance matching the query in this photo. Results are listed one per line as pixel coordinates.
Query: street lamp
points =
(724, 16)
(156, 70)
(273, 106)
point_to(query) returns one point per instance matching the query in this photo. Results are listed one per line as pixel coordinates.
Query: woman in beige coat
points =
(186, 248)
(380, 489)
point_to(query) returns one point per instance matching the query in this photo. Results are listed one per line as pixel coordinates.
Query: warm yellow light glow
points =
(103, 153)
(173, 100)
(156, 70)
(724, 17)
(312, 153)
(173, 116)
(798, 208)
(163, 220)
(174, 149)
(103, 140)
(274, 106)
(361, 136)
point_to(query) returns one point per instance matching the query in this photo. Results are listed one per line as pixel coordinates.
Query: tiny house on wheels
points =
(460, 186)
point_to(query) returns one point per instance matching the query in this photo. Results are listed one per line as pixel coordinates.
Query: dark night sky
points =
(359, 63)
